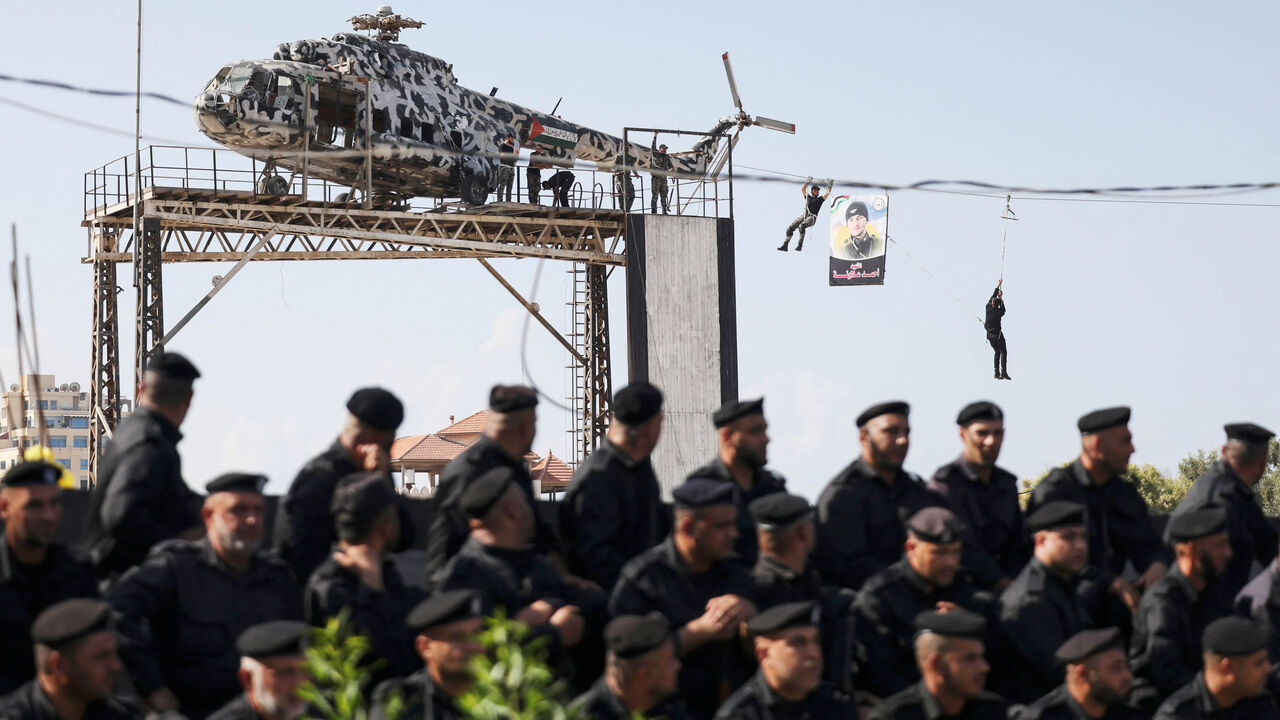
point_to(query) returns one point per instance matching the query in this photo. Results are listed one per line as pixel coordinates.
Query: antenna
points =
(557, 107)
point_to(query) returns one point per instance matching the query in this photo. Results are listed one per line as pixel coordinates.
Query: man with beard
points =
(1097, 681)
(863, 510)
(742, 436)
(924, 579)
(35, 570)
(446, 625)
(953, 673)
(77, 667)
(985, 498)
(641, 668)
(180, 612)
(789, 681)
(1165, 648)
(1233, 683)
(272, 668)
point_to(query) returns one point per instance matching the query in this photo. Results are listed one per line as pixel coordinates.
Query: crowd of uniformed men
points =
(894, 598)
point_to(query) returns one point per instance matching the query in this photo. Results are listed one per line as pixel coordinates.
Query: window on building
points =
(1, 464)
(64, 463)
(78, 423)
(80, 441)
(51, 422)
(57, 441)
(84, 482)
(84, 464)
(44, 405)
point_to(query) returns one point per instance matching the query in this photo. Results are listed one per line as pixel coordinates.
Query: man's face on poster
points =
(857, 225)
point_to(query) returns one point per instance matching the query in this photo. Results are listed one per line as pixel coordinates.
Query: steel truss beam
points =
(104, 385)
(148, 276)
(597, 391)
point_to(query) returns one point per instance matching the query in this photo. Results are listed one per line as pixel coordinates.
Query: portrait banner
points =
(859, 234)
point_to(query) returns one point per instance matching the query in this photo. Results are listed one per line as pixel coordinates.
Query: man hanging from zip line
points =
(995, 336)
(812, 204)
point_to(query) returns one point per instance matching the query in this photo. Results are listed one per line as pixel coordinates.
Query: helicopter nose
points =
(213, 112)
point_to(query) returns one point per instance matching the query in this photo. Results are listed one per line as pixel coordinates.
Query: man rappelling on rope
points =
(995, 336)
(812, 204)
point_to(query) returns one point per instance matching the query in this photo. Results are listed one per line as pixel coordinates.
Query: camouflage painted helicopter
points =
(371, 110)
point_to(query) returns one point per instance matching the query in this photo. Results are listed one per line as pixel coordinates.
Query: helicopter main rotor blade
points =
(772, 124)
(733, 86)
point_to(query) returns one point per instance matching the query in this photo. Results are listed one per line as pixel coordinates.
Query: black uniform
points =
(238, 709)
(599, 703)
(511, 579)
(1059, 705)
(560, 183)
(1260, 601)
(862, 522)
(755, 700)
(659, 580)
(25, 591)
(1040, 610)
(30, 703)
(141, 498)
(379, 615)
(915, 703)
(1251, 535)
(886, 609)
(1164, 651)
(764, 482)
(179, 615)
(1193, 702)
(1116, 517)
(611, 513)
(995, 542)
(777, 584)
(995, 336)
(422, 699)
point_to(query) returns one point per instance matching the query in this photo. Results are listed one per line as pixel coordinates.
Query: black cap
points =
(359, 499)
(895, 407)
(936, 525)
(979, 411)
(443, 608)
(481, 494)
(1248, 432)
(1087, 643)
(701, 492)
(69, 621)
(377, 408)
(628, 636)
(953, 623)
(1233, 635)
(32, 473)
(857, 207)
(735, 409)
(637, 403)
(237, 482)
(278, 638)
(173, 366)
(1054, 515)
(1100, 420)
(510, 398)
(784, 616)
(778, 510)
(1188, 526)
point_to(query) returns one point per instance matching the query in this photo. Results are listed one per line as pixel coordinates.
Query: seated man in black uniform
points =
(35, 570)
(953, 673)
(641, 671)
(180, 612)
(359, 576)
(1097, 681)
(447, 624)
(272, 668)
(789, 681)
(1233, 683)
(76, 668)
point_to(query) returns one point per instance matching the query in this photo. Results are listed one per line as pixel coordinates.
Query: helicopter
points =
(370, 112)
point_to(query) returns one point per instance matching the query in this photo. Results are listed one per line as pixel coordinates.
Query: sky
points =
(1167, 307)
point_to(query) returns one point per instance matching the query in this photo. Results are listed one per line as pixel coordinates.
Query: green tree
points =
(339, 686)
(512, 678)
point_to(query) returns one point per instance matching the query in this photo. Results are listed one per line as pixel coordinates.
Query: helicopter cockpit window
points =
(406, 127)
(238, 79)
(380, 121)
(285, 89)
(217, 79)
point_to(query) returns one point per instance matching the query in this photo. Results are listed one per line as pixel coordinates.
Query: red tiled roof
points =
(552, 471)
(471, 424)
(425, 448)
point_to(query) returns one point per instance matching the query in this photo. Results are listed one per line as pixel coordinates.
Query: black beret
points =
(1087, 643)
(173, 366)
(1054, 515)
(896, 407)
(1248, 432)
(277, 638)
(443, 608)
(779, 509)
(953, 623)
(1188, 526)
(481, 494)
(857, 207)
(936, 525)
(637, 403)
(735, 409)
(237, 482)
(1233, 635)
(628, 636)
(701, 492)
(981, 410)
(32, 473)
(69, 621)
(377, 408)
(360, 498)
(510, 398)
(784, 616)
(1100, 420)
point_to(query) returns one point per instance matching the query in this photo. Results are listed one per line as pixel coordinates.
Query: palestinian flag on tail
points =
(552, 137)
